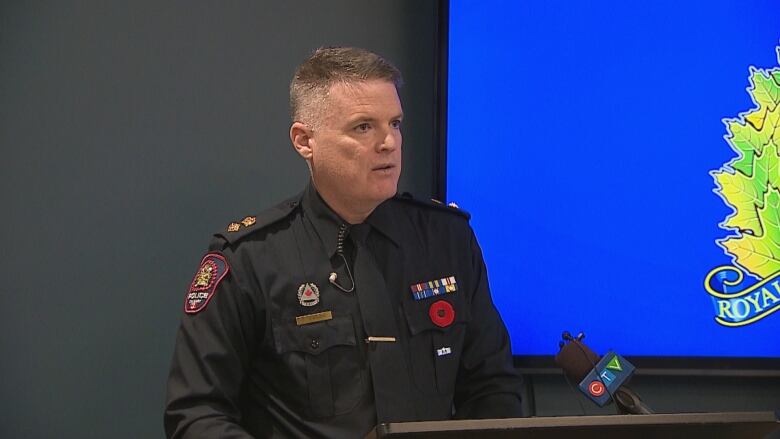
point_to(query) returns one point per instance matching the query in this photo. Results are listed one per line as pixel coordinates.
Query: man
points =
(344, 306)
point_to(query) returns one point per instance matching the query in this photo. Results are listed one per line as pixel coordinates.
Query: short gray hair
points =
(330, 65)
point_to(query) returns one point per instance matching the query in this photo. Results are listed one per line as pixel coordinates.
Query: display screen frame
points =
(651, 365)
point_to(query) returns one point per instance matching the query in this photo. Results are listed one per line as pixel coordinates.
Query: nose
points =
(390, 141)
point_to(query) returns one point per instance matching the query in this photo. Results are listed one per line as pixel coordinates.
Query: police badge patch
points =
(212, 269)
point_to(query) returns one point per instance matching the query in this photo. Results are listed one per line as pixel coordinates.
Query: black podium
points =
(742, 425)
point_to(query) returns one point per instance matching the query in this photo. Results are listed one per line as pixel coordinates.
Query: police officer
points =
(346, 305)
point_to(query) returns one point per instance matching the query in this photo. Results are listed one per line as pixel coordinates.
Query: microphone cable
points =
(333, 278)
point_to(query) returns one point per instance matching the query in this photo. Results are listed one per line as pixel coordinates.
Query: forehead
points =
(373, 96)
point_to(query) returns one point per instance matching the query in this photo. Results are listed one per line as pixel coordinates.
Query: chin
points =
(385, 192)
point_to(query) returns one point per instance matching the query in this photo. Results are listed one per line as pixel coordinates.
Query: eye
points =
(396, 124)
(363, 127)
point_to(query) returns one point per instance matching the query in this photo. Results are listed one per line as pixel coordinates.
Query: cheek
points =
(341, 159)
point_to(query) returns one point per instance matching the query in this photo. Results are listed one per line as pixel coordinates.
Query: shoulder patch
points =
(236, 230)
(213, 269)
(433, 204)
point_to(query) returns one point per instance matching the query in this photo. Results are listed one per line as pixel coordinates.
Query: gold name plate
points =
(313, 318)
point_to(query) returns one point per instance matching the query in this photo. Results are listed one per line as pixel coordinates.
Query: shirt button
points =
(315, 343)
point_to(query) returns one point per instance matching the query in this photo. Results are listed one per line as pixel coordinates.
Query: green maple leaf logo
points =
(750, 184)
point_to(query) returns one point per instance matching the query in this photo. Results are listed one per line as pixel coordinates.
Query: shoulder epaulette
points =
(433, 204)
(237, 230)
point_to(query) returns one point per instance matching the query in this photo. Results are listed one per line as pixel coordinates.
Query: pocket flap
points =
(313, 338)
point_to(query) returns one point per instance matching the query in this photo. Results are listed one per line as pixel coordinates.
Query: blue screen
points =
(620, 166)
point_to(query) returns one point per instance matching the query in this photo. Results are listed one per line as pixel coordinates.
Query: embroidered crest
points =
(233, 227)
(432, 288)
(441, 313)
(308, 294)
(205, 276)
(212, 270)
(248, 221)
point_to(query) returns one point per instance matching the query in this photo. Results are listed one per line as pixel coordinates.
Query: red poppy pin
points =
(442, 314)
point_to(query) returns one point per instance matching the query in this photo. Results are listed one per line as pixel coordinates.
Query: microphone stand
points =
(629, 403)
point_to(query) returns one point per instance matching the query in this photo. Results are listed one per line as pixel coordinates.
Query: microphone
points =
(333, 279)
(601, 380)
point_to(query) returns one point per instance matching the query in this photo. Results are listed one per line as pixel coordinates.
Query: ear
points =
(301, 138)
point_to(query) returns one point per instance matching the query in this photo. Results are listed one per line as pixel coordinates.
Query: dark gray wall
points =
(130, 132)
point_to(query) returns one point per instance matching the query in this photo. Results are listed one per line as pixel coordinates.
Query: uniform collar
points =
(326, 222)
(386, 219)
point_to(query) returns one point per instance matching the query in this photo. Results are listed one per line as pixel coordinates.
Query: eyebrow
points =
(363, 118)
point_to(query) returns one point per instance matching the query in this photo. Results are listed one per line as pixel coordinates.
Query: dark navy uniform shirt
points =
(244, 366)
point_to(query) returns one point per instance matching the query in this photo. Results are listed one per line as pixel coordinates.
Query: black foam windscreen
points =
(576, 360)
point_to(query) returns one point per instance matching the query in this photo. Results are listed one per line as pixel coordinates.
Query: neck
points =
(349, 211)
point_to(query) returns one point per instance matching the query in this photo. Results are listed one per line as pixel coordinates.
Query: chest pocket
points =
(326, 366)
(436, 341)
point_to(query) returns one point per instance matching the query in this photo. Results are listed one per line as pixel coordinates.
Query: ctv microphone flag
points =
(610, 373)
